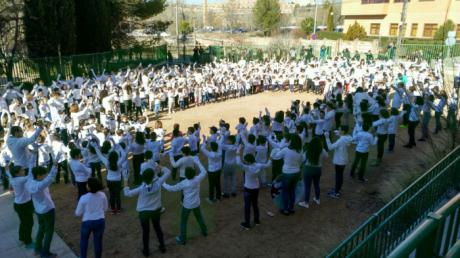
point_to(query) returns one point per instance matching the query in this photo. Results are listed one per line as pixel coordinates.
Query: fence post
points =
(428, 247)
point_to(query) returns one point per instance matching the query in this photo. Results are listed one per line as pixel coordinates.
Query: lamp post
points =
(316, 15)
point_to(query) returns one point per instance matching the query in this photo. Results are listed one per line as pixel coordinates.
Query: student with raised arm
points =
(340, 159)
(17, 144)
(229, 170)
(363, 140)
(114, 165)
(44, 208)
(81, 172)
(91, 207)
(382, 134)
(393, 122)
(182, 163)
(191, 203)
(251, 171)
(292, 161)
(214, 168)
(149, 205)
(23, 205)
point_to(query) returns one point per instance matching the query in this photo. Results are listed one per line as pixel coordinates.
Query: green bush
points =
(441, 33)
(329, 35)
(307, 25)
(355, 31)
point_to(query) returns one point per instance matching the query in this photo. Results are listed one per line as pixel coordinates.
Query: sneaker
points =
(363, 180)
(145, 253)
(376, 163)
(30, 245)
(270, 214)
(285, 212)
(333, 195)
(114, 212)
(163, 210)
(245, 226)
(179, 241)
(304, 205)
(316, 201)
(210, 201)
(162, 249)
(291, 212)
(233, 194)
(408, 146)
(422, 140)
(257, 223)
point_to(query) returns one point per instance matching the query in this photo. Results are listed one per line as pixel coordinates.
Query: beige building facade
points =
(382, 17)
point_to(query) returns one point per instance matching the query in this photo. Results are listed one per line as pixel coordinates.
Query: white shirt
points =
(251, 173)
(20, 154)
(190, 188)
(292, 159)
(149, 194)
(92, 206)
(182, 164)
(40, 193)
(364, 140)
(80, 172)
(21, 195)
(214, 158)
(340, 148)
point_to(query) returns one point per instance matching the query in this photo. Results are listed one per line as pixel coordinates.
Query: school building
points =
(382, 17)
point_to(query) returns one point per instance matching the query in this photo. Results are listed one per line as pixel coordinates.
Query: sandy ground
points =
(308, 233)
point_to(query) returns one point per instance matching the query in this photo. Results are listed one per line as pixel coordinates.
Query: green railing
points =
(384, 230)
(437, 236)
(47, 69)
(427, 52)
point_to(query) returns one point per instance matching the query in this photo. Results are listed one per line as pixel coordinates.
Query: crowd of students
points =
(80, 129)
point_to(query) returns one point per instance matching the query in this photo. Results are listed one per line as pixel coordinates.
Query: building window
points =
(413, 30)
(393, 29)
(374, 1)
(458, 31)
(375, 29)
(402, 1)
(429, 29)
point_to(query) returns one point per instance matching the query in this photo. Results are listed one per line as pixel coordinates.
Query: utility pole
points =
(316, 15)
(177, 28)
(402, 28)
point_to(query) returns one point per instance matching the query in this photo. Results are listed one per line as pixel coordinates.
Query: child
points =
(340, 159)
(393, 126)
(191, 203)
(214, 168)
(44, 208)
(363, 140)
(251, 187)
(22, 203)
(382, 134)
(81, 172)
(229, 168)
(91, 207)
(149, 205)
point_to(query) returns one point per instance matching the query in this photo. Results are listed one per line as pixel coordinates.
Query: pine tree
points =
(267, 15)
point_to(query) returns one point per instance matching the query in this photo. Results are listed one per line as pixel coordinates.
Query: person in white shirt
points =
(22, 202)
(363, 139)
(229, 169)
(91, 207)
(191, 203)
(44, 208)
(177, 143)
(393, 126)
(382, 134)
(182, 163)
(292, 161)
(214, 168)
(340, 159)
(149, 205)
(81, 172)
(251, 170)
(17, 144)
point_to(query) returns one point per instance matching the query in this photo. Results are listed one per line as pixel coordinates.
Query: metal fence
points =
(384, 230)
(427, 52)
(48, 68)
(437, 236)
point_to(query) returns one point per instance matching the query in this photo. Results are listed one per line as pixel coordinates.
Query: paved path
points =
(9, 244)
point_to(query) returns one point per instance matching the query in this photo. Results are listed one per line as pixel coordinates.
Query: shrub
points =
(307, 25)
(355, 31)
(329, 35)
(441, 33)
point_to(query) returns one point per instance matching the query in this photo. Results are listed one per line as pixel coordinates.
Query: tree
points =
(267, 15)
(10, 35)
(330, 19)
(355, 31)
(230, 17)
(185, 27)
(307, 25)
(94, 30)
(441, 33)
(49, 27)
(128, 14)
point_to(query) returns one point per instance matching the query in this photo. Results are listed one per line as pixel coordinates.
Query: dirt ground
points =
(309, 232)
